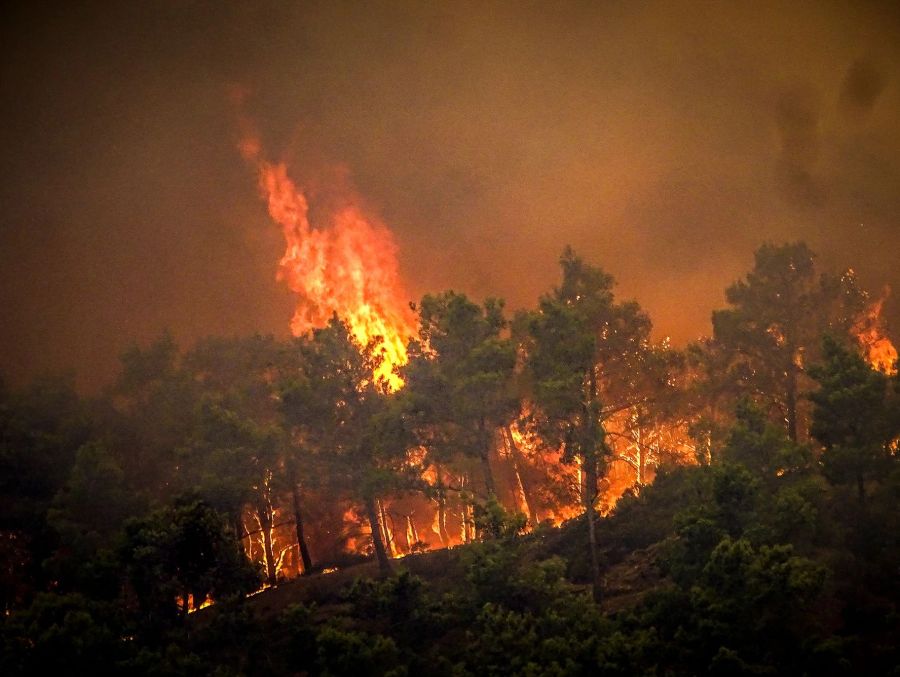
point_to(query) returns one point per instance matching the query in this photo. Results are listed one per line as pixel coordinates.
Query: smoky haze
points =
(664, 141)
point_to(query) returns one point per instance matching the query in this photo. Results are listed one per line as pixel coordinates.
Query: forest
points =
(549, 491)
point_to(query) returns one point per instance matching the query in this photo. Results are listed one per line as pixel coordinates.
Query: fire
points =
(878, 348)
(191, 605)
(345, 264)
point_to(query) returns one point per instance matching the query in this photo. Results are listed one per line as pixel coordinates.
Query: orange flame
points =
(878, 348)
(345, 266)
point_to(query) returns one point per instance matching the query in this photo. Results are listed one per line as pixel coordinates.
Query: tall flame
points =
(346, 265)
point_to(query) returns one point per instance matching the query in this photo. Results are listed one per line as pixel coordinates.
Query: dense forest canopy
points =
(749, 482)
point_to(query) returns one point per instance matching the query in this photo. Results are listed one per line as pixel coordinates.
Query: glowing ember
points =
(346, 265)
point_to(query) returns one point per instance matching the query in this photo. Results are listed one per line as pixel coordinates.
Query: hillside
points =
(613, 505)
(710, 571)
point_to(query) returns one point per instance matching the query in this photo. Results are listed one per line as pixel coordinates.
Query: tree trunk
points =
(442, 509)
(442, 521)
(384, 564)
(642, 457)
(488, 475)
(466, 510)
(589, 461)
(298, 523)
(237, 524)
(518, 460)
(486, 460)
(589, 497)
(386, 530)
(263, 511)
(412, 534)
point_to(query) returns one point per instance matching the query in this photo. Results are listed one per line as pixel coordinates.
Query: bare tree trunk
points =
(467, 527)
(468, 511)
(386, 529)
(464, 524)
(442, 521)
(442, 510)
(384, 564)
(298, 524)
(412, 534)
(264, 513)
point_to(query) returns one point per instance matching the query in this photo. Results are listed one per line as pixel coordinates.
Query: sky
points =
(665, 141)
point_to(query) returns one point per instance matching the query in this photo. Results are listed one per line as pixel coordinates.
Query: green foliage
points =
(582, 347)
(583, 357)
(492, 520)
(343, 653)
(640, 520)
(88, 514)
(397, 597)
(181, 551)
(772, 330)
(300, 634)
(854, 417)
(348, 422)
(61, 633)
(460, 379)
(761, 447)
(41, 429)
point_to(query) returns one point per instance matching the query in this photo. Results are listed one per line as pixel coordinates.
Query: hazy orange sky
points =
(663, 140)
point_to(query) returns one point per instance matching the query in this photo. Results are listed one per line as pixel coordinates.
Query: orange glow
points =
(345, 264)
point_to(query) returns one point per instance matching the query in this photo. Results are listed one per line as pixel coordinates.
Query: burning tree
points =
(459, 388)
(345, 263)
(582, 352)
(178, 556)
(764, 342)
(856, 417)
(347, 420)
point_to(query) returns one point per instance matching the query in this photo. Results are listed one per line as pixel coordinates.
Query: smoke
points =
(797, 117)
(862, 86)
(664, 143)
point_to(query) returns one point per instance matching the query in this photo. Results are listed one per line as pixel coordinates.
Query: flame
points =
(878, 348)
(346, 264)
(191, 605)
(555, 506)
(351, 521)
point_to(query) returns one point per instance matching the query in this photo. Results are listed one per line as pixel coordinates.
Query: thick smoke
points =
(664, 143)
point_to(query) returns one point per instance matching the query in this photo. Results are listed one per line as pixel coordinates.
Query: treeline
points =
(202, 474)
